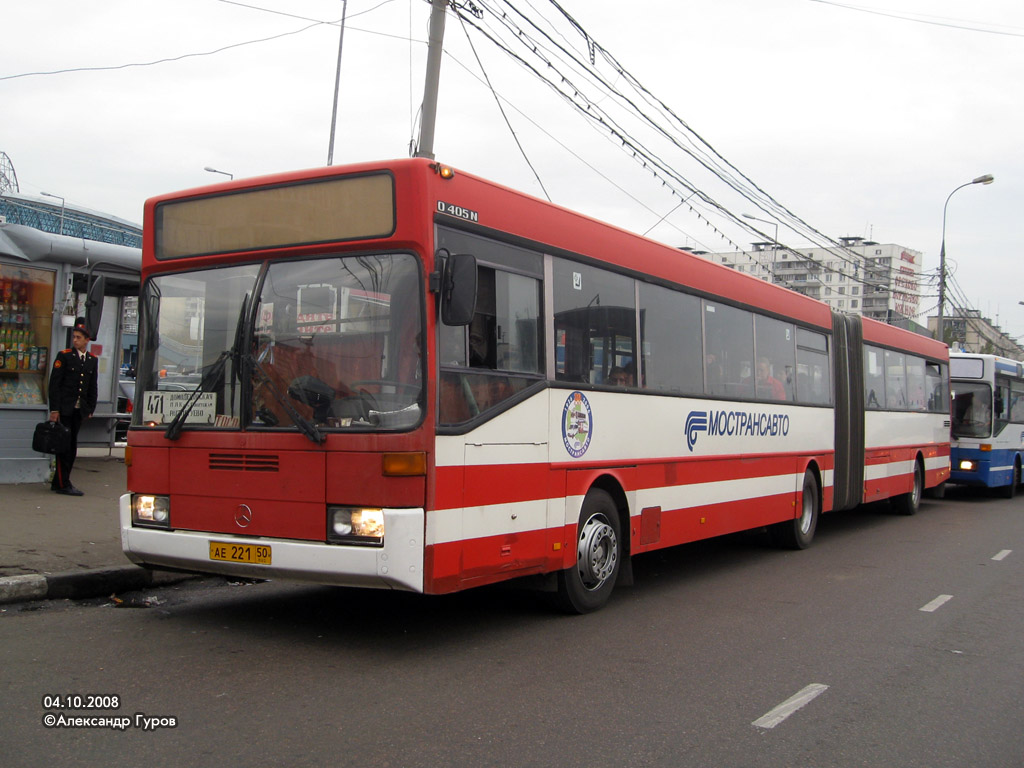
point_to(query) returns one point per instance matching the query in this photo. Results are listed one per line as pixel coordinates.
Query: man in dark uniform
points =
(72, 399)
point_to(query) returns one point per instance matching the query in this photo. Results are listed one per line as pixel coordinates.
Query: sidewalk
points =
(55, 546)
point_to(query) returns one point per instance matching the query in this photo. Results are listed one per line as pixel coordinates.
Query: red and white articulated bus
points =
(398, 375)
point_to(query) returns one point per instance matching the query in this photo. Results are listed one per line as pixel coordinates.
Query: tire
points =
(586, 586)
(1009, 491)
(798, 533)
(909, 503)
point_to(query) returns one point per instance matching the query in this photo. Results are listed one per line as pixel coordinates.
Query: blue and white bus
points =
(988, 421)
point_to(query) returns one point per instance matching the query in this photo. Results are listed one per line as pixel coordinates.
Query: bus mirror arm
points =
(440, 258)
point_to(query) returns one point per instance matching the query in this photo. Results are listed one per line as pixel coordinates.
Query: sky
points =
(859, 120)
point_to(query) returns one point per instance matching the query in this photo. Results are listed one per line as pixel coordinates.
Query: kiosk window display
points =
(26, 316)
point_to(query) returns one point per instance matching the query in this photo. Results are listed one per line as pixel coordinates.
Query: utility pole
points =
(429, 113)
(337, 84)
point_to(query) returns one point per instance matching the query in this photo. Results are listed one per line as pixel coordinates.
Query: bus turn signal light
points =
(985, 446)
(404, 464)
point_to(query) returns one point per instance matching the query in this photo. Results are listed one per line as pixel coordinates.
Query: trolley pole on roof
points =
(429, 113)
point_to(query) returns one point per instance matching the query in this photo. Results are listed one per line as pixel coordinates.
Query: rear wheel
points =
(1009, 491)
(908, 503)
(799, 532)
(587, 585)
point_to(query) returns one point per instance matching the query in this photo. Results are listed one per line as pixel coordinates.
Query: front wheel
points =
(799, 532)
(587, 585)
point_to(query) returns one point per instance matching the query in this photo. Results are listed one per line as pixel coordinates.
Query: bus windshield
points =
(330, 342)
(972, 413)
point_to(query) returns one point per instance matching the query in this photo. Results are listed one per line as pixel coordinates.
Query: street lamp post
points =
(988, 178)
(224, 173)
(775, 238)
(47, 194)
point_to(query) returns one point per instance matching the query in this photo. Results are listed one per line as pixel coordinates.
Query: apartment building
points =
(861, 277)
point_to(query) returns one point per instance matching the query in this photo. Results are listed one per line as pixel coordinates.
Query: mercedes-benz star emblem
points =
(243, 516)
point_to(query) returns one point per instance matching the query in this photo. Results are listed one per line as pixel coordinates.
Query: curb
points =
(79, 585)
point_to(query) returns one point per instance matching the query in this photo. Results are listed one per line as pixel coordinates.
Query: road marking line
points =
(1002, 554)
(790, 705)
(937, 603)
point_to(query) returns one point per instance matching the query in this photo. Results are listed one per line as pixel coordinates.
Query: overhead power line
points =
(938, 21)
(575, 77)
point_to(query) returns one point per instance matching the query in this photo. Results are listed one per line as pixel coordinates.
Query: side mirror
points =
(458, 289)
(94, 305)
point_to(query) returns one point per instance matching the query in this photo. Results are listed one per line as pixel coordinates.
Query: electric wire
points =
(569, 150)
(701, 156)
(648, 159)
(938, 21)
(501, 109)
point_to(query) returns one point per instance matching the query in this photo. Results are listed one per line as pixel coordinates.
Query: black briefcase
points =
(51, 437)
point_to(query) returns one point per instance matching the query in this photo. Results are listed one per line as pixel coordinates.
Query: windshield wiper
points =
(305, 426)
(210, 376)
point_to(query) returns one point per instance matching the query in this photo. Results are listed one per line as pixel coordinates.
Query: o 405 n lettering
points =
(457, 211)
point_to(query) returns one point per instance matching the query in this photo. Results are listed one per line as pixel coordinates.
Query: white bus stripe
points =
(790, 705)
(457, 524)
(935, 604)
(1002, 554)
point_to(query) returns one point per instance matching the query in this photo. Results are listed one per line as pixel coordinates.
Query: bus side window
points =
(813, 381)
(776, 358)
(1002, 398)
(895, 381)
(729, 350)
(935, 388)
(874, 378)
(499, 352)
(1017, 403)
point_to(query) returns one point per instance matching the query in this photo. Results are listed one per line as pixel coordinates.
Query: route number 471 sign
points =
(161, 407)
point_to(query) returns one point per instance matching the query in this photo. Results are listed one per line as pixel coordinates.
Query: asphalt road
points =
(686, 668)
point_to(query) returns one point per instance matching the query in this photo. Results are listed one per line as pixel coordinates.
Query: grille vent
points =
(244, 462)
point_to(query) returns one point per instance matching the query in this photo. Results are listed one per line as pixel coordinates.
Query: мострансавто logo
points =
(577, 424)
(735, 424)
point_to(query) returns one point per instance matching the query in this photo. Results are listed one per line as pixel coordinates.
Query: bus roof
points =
(486, 206)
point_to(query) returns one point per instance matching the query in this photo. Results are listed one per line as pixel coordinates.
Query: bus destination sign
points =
(161, 406)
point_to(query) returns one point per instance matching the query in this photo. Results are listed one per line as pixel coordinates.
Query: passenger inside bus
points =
(768, 386)
(620, 376)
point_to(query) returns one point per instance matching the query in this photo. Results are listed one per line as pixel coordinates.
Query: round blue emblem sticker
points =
(577, 424)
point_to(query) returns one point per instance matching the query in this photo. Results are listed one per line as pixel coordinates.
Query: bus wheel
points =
(908, 503)
(1009, 491)
(587, 586)
(799, 532)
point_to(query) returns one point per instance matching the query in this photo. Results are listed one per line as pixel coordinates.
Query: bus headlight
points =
(152, 511)
(967, 465)
(355, 525)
